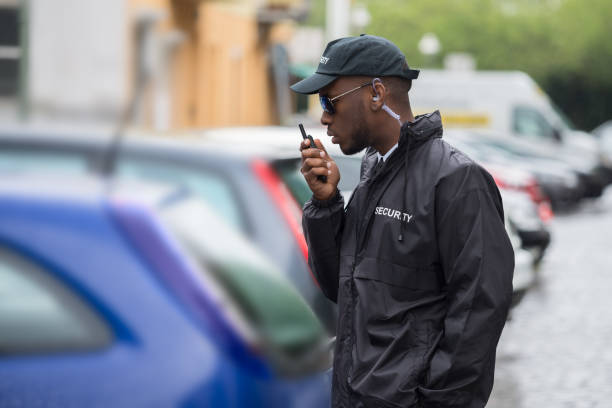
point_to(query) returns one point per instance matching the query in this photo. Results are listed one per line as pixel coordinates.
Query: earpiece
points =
(374, 88)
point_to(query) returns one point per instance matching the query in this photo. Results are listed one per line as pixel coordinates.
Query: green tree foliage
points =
(316, 15)
(564, 44)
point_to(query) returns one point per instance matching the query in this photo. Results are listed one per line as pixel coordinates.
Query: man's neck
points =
(389, 129)
(386, 155)
(384, 147)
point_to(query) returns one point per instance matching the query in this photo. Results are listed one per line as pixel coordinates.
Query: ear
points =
(378, 93)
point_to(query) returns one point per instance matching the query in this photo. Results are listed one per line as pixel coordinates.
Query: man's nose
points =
(326, 119)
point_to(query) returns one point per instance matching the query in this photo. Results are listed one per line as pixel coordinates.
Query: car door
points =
(85, 322)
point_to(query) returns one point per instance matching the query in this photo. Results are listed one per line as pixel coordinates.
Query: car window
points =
(29, 161)
(39, 314)
(532, 124)
(209, 186)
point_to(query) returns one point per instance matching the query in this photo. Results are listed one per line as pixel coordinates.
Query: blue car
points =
(110, 301)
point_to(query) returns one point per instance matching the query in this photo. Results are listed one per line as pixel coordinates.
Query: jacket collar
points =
(423, 127)
(412, 135)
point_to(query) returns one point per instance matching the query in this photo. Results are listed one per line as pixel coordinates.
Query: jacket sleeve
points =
(322, 222)
(477, 262)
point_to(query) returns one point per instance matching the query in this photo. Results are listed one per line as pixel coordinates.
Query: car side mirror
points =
(557, 135)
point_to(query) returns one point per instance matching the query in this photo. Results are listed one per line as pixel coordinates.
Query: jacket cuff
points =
(326, 203)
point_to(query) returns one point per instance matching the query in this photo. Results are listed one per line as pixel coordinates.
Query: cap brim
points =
(313, 83)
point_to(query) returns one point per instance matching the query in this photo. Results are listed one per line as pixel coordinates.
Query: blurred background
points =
(151, 251)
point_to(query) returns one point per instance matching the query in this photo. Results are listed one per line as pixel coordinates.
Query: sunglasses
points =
(328, 104)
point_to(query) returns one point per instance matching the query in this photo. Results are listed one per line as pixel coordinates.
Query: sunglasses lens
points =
(326, 105)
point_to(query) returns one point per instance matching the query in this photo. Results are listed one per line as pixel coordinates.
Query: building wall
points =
(219, 74)
(77, 54)
(234, 81)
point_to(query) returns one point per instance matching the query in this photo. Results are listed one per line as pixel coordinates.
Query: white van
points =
(507, 102)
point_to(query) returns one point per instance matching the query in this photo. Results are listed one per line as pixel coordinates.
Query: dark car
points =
(252, 187)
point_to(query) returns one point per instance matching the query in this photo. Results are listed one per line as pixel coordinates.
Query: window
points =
(39, 314)
(532, 124)
(211, 187)
(46, 162)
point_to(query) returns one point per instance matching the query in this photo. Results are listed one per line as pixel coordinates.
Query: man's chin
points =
(350, 150)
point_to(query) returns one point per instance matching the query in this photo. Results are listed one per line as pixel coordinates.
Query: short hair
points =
(397, 87)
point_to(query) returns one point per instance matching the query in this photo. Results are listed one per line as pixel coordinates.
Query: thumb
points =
(320, 145)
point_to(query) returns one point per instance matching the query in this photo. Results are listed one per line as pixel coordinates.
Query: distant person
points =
(419, 262)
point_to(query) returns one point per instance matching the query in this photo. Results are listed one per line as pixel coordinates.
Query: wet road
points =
(557, 349)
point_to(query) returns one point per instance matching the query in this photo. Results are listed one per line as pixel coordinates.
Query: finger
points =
(332, 166)
(305, 144)
(319, 145)
(315, 162)
(306, 153)
(317, 171)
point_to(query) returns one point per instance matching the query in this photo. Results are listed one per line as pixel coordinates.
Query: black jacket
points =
(421, 268)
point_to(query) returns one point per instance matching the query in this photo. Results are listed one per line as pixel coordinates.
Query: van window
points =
(39, 314)
(532, 124)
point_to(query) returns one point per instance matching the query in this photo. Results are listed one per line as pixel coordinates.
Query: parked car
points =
(254, 188)
(114, 301)
(603, 133)
(524, 273)
(563, 185)
(525, 202)
(526, 222)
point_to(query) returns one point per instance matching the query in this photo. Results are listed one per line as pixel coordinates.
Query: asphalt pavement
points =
(556, 351)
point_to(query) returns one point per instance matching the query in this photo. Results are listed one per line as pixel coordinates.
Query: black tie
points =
(377, 168)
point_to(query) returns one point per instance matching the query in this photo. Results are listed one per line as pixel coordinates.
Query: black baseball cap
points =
(365, 55)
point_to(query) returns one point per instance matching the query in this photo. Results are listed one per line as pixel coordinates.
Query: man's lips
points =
(334, 138)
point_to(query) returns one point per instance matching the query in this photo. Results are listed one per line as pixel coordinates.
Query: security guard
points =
(419, 261)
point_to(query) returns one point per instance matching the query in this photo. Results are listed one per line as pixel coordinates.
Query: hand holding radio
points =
(319, 169)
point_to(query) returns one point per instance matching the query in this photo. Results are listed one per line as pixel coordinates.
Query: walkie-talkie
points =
(312, 145)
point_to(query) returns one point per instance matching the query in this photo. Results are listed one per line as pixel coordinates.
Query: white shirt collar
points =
(386, 156)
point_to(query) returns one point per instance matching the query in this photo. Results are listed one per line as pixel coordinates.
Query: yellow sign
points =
(463, 119)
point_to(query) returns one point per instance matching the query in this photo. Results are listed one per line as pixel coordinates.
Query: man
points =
(419, 262)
